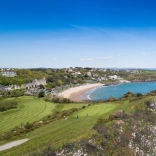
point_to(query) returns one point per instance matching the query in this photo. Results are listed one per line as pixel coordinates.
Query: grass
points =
(63, 131)
(29, 109)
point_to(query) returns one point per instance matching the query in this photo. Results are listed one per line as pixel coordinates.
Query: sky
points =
(78, 33)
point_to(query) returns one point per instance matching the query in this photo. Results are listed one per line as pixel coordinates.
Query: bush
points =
(16, 93)
(57, 99)
(8, 105)
(41, 94)
(83, 107)
(138, 94)
(111, 99)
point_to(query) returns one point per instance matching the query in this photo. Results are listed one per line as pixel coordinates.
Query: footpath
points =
(12, 144)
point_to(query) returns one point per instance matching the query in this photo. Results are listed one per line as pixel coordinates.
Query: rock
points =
(151, 104)
(117, 114)
(40, 122)
(119, 122)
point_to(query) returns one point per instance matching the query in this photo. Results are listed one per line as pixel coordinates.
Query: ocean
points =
(118, 91)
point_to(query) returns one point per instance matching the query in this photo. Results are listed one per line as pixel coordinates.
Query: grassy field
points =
(29, 109)
(63, 131)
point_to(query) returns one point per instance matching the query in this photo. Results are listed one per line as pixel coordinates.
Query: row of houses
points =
(94, 75)
(5, 88)
(34, 84)
(105, 78)
(9, 73)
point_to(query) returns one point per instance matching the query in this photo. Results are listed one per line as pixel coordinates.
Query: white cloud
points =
(92, 59)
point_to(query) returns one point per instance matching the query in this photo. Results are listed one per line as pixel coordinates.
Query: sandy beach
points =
(76, 94)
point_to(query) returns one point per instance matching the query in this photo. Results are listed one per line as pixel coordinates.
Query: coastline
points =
(79, 94)
(76, 94)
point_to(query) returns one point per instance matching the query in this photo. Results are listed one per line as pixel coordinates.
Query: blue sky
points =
(69, 33)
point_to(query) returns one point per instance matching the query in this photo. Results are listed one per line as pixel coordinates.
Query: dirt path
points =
(12, 144)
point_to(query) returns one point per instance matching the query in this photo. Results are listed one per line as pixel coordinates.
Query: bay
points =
(118, 91)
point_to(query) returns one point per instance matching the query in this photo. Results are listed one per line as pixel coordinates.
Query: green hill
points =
(61, 132)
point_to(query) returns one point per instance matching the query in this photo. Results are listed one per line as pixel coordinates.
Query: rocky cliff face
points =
(151, 104)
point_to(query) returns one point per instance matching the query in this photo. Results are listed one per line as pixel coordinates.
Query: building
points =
(89, 73)
(115, 77)
(70, 70)
(76, 73)
(1, 87)
(9, 74)
(7, 88)
(95, 75)
(34, 84)
(17, 87)
(104, 78)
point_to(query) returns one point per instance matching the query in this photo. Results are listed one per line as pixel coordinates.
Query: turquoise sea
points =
(119, 90)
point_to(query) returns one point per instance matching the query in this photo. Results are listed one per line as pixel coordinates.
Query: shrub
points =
(4, 106)
(16, 93)
(41, 94)
(57, 99)
(111, 99)
(83, 107)
(138, 94)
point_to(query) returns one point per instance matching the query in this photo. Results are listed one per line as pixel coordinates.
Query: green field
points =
(63, 131)
(29, 109)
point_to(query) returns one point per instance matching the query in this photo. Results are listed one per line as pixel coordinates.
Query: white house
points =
(7, 88)
(9, 73)
(89, 73)
(115, 77)
(70, 70)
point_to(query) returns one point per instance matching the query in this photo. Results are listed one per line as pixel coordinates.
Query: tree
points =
(138, 94)
(41, 86)
(41, 94)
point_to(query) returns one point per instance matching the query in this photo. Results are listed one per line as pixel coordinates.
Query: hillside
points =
(29, 109)
(76, 127)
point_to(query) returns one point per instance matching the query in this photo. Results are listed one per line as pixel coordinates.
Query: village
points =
(91, 76)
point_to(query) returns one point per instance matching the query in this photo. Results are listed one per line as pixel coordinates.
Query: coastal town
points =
(73, 77)
(77, 78)
(70, 83)
(34, 92)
